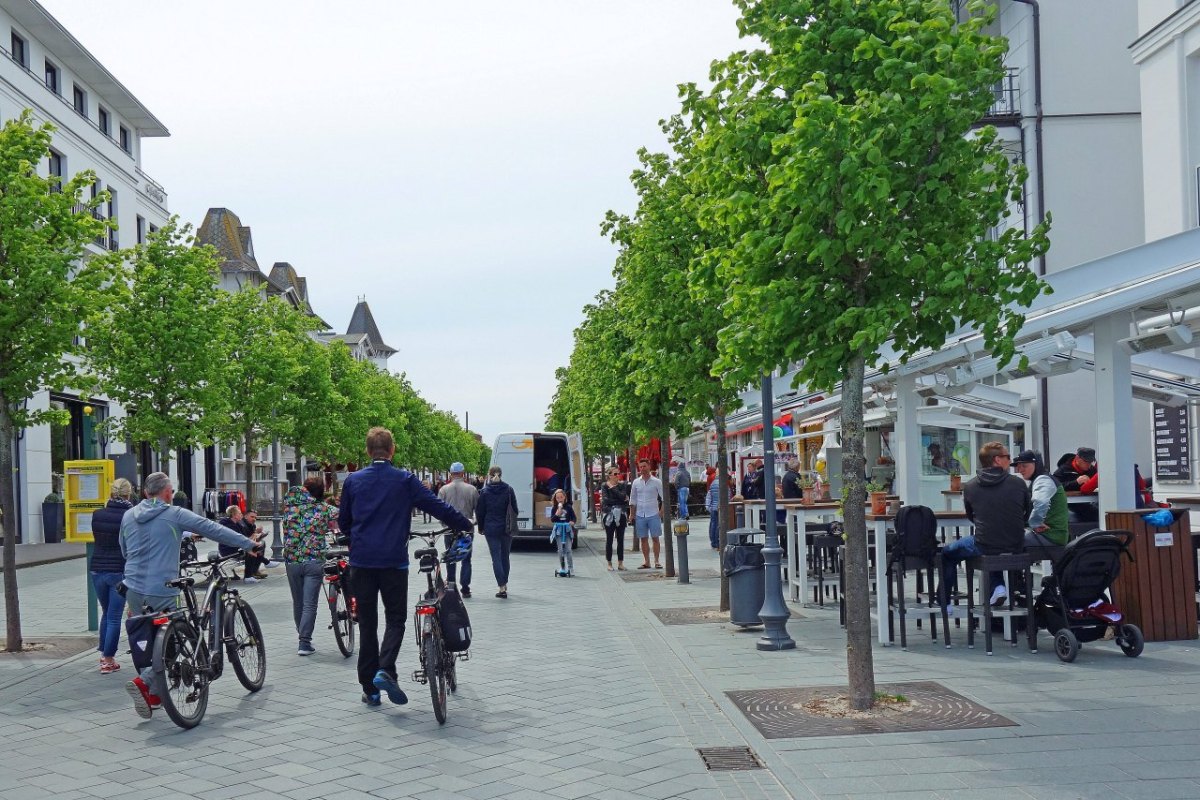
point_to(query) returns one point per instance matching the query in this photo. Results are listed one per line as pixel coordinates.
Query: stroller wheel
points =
(1130, 640)
(1066, 646)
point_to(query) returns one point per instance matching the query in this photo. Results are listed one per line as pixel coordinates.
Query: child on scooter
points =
(563, 532)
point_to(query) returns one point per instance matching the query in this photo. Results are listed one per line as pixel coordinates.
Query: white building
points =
(100, 127)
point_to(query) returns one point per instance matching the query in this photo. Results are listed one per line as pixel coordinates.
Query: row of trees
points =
(190, 364)
(830, 193)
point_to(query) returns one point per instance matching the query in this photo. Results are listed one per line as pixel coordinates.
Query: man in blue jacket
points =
(376, 513)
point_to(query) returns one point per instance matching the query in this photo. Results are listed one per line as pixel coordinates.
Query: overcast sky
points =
(449, 161)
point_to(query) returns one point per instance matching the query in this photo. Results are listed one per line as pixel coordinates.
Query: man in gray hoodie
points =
(150, 535)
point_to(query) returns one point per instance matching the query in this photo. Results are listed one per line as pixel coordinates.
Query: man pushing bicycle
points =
(376, 513)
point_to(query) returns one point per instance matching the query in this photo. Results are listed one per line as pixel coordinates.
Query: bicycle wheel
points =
(244, 645)
(343, 623)
(181, 672)
(451, 671)
(436, 675)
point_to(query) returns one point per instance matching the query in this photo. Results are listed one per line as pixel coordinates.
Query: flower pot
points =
(878, 502)
(808, 495)
(52, 522)
(956, 483)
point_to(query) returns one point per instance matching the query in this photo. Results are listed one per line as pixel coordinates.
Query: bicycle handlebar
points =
(214, 563)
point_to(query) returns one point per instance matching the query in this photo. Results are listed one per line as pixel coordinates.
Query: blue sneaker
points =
(371, 699)
(386, 683)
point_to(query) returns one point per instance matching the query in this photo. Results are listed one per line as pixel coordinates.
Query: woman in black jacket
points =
(496, 501)
(614, 510)
(107, 568)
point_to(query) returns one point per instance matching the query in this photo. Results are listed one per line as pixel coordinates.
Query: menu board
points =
(1172, 444)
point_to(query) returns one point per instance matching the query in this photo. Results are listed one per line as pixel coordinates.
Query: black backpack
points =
(916, 533)
(456, 625)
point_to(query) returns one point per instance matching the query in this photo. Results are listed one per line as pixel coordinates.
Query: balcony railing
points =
(1007, 94)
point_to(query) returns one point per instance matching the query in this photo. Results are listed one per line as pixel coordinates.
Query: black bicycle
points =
(188, 647)
(342, 611)
(438, 664)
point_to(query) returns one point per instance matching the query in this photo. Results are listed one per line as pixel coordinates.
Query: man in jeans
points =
(376, 513)
(683, 487)
(645, 502)
(150, 533)
(307, 520)
(462, 497)
(999, 504)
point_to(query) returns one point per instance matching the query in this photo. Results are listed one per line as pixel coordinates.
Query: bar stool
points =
(1003, 562)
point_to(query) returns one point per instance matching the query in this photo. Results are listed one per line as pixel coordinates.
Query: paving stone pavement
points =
(576, 690)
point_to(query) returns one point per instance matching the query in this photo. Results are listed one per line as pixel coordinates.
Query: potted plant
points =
(955, 480)
(52, 518)
(878, 497)
(807, 490)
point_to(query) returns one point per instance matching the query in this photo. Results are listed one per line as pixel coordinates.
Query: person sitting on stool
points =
(999, 505)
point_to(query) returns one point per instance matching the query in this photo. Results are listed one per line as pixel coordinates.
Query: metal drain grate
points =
(729, 759)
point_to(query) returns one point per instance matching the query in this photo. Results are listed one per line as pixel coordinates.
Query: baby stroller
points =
(1074, 604)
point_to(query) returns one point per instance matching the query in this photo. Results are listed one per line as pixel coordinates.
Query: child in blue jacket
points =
(563, 532)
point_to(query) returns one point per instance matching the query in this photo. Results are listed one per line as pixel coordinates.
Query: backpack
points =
(916, 533)
(456, 625)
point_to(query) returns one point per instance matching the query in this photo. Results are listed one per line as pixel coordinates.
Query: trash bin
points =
(1157, 590)
(742, 562)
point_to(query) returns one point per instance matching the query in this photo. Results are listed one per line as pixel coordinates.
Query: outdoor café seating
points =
(1019, 604)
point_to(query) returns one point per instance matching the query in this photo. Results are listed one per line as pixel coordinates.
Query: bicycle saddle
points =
(337, 553)
(425, 551)
(179, 583)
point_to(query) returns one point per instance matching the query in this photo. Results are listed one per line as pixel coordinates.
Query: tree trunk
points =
(859, 658)
(12, 605)
(249, 469)
(164, 455)
(722, 500)
(664, 476)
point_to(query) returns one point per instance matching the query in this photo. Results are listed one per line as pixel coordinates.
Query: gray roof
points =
(363, 322)
(224, 231)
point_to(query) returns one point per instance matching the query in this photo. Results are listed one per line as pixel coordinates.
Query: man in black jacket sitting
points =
(998, 503)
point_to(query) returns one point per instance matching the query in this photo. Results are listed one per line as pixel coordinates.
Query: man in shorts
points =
(645, 502)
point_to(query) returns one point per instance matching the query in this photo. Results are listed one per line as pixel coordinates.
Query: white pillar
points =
(907, 441)
(1114, 415)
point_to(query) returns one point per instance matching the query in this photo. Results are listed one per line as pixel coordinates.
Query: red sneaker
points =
(144, 702)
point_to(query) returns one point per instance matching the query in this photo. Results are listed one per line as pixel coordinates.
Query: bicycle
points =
(187, 655)
(438, 665)
(342, 608)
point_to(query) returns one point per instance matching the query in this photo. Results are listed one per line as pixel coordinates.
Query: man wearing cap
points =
(1075, 472)
(1048, 520)
(462, 497)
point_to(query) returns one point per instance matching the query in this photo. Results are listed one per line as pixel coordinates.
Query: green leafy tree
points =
(47, 289)
(850, 194)
(157, 348)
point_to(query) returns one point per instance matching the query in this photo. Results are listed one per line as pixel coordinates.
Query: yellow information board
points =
(88, 485)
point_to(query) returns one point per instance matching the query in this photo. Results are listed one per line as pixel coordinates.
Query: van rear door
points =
(513, 453)
(579, 479)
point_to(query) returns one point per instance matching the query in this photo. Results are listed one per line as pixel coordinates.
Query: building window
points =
(56, 170)
(20, 51)
(153, 229)
(126, 140)
(141, 229)
(113, 244)
(79, 100)
(103, 121)
(52, 77)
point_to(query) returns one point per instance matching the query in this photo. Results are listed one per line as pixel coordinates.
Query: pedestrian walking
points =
(496, 515)
(614, 511)
(683, 487)
(463, 497)
(107, 568)
(307, 521)
(645, 500)
(712, 504)
(376, 513)
(563, 532)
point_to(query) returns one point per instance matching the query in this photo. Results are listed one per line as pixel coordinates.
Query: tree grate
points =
(729, 759)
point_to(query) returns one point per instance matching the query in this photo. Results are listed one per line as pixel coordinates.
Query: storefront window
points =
(945, 451)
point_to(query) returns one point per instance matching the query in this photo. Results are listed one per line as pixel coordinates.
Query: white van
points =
(534, 465)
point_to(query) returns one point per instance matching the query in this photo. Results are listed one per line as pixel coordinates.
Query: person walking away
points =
(998, 503)
(463, 497)
(683, 487)
(712, 504)
(614, 511)
(496, 515)
(1048, 519)
(645, 500)
(107, 568)
(376, 513)
(307, 521)
(150, 536)
(563, 533)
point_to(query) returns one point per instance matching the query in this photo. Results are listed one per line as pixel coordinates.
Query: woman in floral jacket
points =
(306, 521)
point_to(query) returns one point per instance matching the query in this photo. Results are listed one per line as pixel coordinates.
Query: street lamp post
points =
(774, 613)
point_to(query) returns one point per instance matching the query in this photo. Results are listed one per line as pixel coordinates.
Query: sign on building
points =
(1172, 444)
